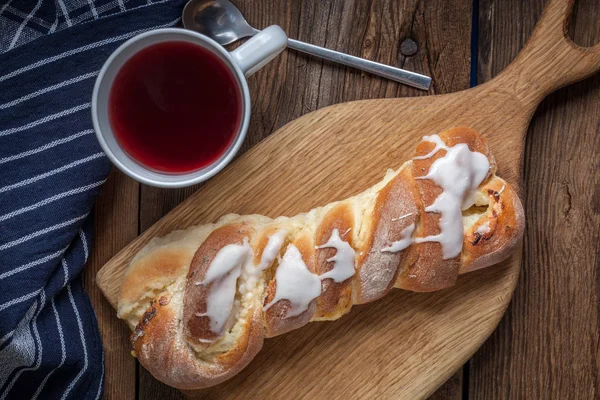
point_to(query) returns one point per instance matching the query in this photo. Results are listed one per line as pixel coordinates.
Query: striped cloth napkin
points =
(51, 169)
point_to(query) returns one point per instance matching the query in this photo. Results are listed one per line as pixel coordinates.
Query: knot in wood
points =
(409, 47)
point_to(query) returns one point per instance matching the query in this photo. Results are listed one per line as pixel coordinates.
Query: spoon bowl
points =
(220, 20)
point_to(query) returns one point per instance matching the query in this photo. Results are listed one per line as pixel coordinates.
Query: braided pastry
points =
(217, 290)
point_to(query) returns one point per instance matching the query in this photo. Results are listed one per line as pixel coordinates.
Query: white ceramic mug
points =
(243, 62)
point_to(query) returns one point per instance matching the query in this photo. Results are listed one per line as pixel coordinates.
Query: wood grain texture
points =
(327, 146)
(452, 389)
(548, 345)
(116, 224)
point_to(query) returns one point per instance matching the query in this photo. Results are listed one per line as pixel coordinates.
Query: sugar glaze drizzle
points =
(295, 283)
(402, 217)
(269, 254)
(343, 260)
(299, 286)
(459, 173)
(405, 240)
(222, 275)
(271, 250)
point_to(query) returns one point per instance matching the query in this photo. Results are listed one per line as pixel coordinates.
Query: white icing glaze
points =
(402, 217)
(271, 250)
(222, 275)
(253, 272)
(343, 261)
(483, 228)
(405, 241)
(439, 144)
(295, 283)
(459, 173)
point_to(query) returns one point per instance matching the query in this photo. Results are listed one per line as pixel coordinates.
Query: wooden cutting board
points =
(407, 344)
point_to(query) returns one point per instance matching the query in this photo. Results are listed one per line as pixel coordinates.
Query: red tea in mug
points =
(175, 107)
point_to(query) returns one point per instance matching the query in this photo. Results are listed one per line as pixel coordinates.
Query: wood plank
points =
(116, 224)
(548, 345)
(295, 84)
(452, 389)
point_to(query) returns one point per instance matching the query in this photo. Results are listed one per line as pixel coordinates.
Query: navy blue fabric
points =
(51, 169)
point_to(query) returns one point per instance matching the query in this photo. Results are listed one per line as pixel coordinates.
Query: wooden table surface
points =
(548, 344)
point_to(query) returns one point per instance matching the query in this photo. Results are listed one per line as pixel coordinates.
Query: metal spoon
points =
(222, 21)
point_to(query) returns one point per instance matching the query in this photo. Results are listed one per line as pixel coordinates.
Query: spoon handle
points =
(396, 74)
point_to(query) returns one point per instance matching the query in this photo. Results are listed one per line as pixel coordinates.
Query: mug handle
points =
(260, 49)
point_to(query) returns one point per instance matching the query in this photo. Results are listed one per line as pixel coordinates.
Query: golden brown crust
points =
(494, 236)
(197, 328)
(377, 270)
(150, 274)
(336, 298)
(166, 264)
(160, 348)
(275, 318)
(428, 270)
(161, 263)
(263, 239)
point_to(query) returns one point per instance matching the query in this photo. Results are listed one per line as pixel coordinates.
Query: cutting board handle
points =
(549, 60)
